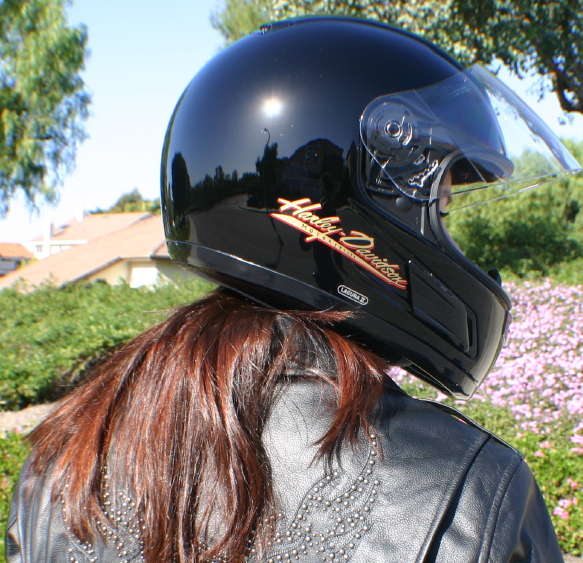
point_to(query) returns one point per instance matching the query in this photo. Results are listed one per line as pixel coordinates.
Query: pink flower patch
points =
(539, 374)
(561, 513)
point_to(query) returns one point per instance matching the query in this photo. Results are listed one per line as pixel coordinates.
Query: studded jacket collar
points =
(443, 491)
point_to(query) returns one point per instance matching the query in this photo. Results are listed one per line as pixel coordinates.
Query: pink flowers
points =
(539, 374)
(564, 504)
(572, 484)
(561, 513)
(577, 439)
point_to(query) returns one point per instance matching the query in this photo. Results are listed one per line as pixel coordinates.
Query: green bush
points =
(50, 337)
(13, 452)
(537, 233)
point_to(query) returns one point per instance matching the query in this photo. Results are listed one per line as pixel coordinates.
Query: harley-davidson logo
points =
(355, 245)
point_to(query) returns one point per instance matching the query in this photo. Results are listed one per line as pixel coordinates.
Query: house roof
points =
(14, 250)
(96, 226)
(141, 240)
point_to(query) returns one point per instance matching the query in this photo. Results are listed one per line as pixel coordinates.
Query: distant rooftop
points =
(14, 250)
(77, 232)
(142, 238)
(95, 225)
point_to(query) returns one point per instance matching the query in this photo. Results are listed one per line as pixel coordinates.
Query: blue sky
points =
(143, 54)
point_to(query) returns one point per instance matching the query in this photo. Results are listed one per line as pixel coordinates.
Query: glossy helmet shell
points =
(275, 118)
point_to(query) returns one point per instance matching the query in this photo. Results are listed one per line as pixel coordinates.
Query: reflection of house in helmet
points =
(278, 181)
(303, 175)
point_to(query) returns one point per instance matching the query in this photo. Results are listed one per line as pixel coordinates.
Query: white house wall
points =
(116, 273)
(138, 273)
(172, 271)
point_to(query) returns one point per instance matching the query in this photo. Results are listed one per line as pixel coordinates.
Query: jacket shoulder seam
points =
(471, 422)
(494, 513)
(469, 458)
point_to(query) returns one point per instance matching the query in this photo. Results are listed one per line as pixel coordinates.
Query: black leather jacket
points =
(443, 491)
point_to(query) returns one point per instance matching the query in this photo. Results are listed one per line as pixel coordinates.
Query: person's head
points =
(310, 165)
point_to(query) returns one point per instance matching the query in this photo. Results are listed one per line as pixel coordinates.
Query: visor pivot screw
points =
(404, 204)
(394, 129)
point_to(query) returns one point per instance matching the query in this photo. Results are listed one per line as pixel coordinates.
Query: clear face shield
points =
(460, 143)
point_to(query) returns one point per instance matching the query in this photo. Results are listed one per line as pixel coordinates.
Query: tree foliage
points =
(239, 18)
(537, 233)
(543, 38)
(42, 98)
(132, 201)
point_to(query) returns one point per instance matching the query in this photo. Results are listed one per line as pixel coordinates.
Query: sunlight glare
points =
(272, 107)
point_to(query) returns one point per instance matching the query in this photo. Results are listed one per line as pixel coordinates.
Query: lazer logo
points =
(356, 246)
(354, 295)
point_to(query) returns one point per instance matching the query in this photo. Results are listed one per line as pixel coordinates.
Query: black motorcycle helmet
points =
(310, 166)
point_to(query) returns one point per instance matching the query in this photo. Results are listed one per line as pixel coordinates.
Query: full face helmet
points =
(311, 164)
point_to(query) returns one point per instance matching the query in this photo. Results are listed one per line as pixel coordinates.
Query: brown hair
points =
(180, 411)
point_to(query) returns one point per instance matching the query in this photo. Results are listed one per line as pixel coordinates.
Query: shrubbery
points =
(538, 233)
(13, 452)
(51, 336)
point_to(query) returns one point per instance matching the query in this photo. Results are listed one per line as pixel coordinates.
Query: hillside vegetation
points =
(49, 338)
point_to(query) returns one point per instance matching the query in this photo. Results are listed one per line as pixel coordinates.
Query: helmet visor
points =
(470, 128)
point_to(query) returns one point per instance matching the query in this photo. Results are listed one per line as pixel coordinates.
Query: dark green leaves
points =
(50, 337)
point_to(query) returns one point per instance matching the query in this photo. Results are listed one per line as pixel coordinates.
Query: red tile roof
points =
(141, 240)
(14, 250)
(95, 226)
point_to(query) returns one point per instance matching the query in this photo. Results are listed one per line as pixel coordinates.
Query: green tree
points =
(543, 38)
(42, 98)
(239, 18)
(132, 201)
